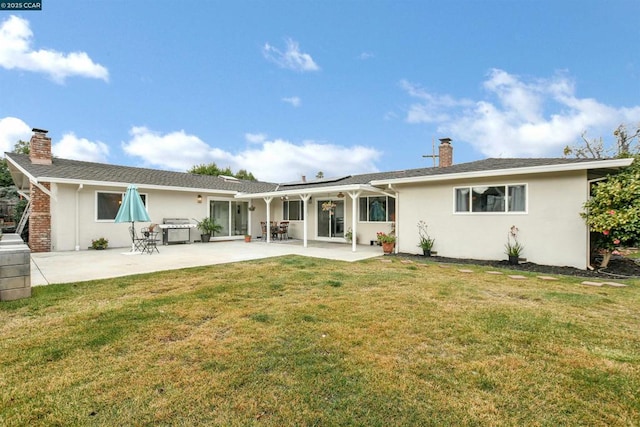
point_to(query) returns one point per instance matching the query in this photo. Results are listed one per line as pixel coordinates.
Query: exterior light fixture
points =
(341, 194)
(199, 198)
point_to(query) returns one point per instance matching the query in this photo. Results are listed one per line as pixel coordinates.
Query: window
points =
(377, 209)
(497, 198)
(292, 210)
(108, 205)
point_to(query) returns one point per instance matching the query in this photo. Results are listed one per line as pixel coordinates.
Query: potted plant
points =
(513, 248)
(387, 241)
(349, 236)
(99, 243)
(208, 227)
(247, 238)
(425, 241)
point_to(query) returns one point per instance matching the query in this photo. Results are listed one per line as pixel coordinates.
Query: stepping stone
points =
(494, 272)
(615, 285)
(443, 266)
(516, 276)
(406, 261)
(587, 283)
(462, 270)
(385, 260)
(547, 278)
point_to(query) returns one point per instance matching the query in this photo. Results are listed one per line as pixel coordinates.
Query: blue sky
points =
(290, 88)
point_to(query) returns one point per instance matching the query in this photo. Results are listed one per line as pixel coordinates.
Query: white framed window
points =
(108, 203)
(292, 210)
(508, 198)
(377, 209)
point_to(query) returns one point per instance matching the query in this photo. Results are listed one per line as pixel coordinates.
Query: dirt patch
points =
(619, 267)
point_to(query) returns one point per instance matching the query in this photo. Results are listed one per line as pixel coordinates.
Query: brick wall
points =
(40, 148)
(445, 153)
(40, 220)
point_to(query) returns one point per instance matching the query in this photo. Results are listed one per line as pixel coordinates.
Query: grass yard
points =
(295, 341)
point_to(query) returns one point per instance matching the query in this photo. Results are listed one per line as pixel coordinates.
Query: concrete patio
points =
(64, 267)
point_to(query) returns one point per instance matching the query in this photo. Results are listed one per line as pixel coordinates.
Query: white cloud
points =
(16, 53)
(11, 131)
(518, 117)
(294, 101)
(366, 55)
(292, 58)
(255, 138)
(276, 160)
(72, 147)
(175, 150)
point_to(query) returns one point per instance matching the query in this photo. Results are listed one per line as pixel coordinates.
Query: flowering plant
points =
(426, 242)
(385, 238)
(513, 249)
(329, 206)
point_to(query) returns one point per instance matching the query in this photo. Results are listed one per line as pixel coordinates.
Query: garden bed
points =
(619, 267)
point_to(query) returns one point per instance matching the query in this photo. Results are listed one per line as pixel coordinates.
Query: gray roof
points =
(77, 170)
(491, 164)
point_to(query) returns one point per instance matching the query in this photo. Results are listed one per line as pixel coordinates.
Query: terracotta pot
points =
(247, 239)
(387, 248)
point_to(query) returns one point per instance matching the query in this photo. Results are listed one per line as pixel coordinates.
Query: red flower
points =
(605, 232)
(611, 212)
(616, 242)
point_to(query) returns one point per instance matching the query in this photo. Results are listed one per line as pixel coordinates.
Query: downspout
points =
(395, 220)
(77, 225)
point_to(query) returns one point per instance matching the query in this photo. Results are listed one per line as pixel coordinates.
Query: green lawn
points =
(295, 341)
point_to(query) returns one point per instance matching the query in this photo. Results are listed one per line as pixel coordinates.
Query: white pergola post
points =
(305, 202)
(354, 220)
(268, 202)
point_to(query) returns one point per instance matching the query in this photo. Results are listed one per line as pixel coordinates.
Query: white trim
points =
(506, 201)
(599, 164)
(313, 191)
(95, 205)
(139, 185)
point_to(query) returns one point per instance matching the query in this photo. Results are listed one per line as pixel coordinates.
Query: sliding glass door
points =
(330, 218)
(233, 216)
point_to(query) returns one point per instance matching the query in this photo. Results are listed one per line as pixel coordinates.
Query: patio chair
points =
(138, 242)
(263, 225)
(283, 230)
(151, 242)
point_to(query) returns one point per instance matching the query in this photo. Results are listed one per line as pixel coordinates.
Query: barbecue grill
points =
(176, 230)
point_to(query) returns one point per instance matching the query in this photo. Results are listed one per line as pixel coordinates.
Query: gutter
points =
(77, 224)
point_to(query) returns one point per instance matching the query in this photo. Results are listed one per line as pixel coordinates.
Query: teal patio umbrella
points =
(132, 210)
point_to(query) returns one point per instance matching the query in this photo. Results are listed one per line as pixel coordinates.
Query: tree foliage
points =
(613, 211)
(20, 147)
(214, 170)
(626, 144)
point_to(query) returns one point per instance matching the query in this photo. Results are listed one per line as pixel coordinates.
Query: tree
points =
(613, 211)
(20, 147)
(595, 149)
(214, 170)
(320, 175)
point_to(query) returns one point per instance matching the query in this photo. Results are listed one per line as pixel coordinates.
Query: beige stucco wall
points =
(551, 230)
(365, 231)
(160, 204)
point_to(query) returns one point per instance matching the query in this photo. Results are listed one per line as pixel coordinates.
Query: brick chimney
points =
(40, 147)
(40, 217)
(445, 153)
